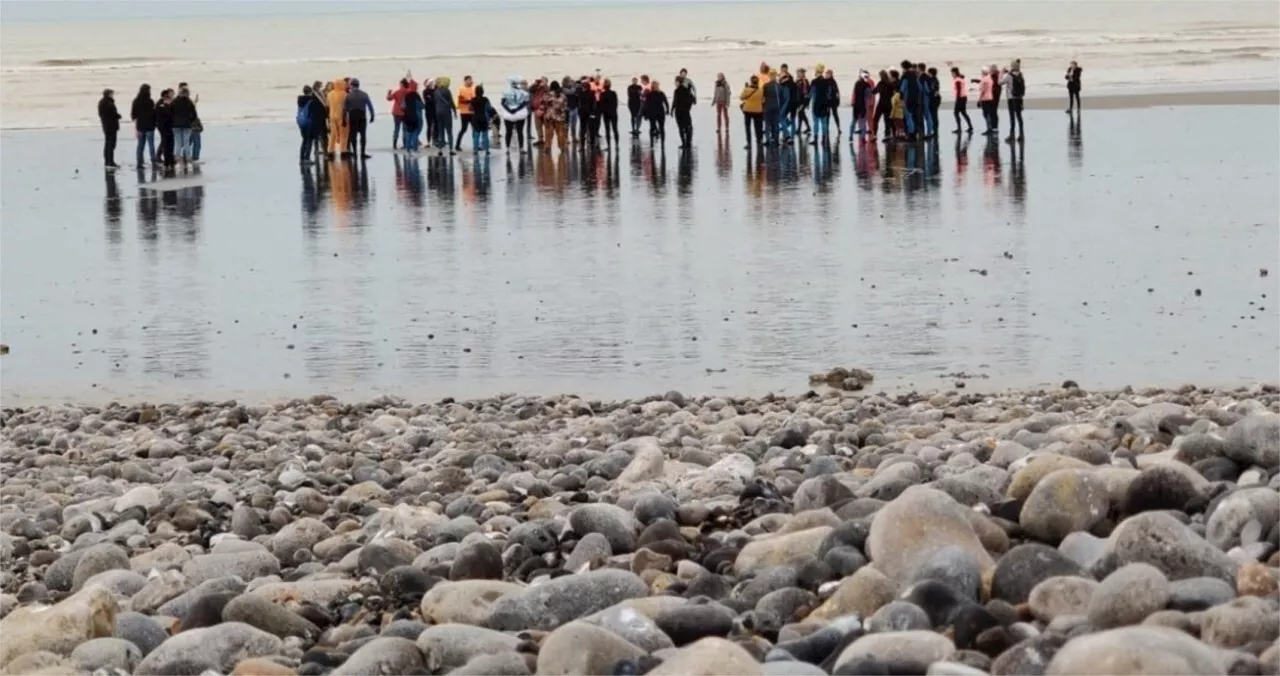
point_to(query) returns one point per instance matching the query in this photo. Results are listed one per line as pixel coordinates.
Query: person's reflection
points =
(991, 162)
(148, 210)
(1075, 141)
(913, 172)
(440, 184)
(188, 203)
(551, 174)
(895, 167)
(933, 162)
(866, 164)
(823, 161)
(657, 171)
(724, 158)
(480, 169)
(310, 200)
(685, 167)
(962, 158)
(340, 178)
(755, 177)
(111, 208)
(613, 174)
(1018, 174)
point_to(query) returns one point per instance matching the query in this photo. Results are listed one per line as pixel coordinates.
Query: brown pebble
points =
(1255, 579)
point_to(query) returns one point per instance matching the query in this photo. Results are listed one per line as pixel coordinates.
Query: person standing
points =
(110, 118)
(634, 94)
(786, 103)
(321, 92)
(752, 104)
(820, 94)
(481, 113)
(860, 105)
(656, 110)
(537, 94)
(802, 102)
(143, 114)
(309, 112)
(337, 99)
(720, 99)
(445, 111)
(555, 116)
(197, 127)
(588, 116)
(396, 97)
(986, 86)
(772, 108)
(833, 99)
(515, 112)
(935, 99)
(358, 110)
(682, 109)
(1017, 89)
(164, 125)
(184, 115)
(997, 88)
(412, 108)
(609, 114)
(466, 93)
(884, 106)
(961, 89)
(1074, 71)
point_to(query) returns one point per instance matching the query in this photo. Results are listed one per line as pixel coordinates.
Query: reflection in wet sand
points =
(563, 272)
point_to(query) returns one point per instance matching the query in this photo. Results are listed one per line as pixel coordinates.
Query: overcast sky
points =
(88, 10)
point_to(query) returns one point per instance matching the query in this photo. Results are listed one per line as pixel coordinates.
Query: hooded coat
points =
(337, 101)
(514, 104)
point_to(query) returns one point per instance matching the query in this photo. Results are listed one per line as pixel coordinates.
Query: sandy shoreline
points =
(1100, 101)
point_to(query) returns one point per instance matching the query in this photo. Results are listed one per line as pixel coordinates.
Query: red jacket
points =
(397, 101)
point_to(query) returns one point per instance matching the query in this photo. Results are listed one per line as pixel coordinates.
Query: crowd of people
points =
(778, 108)
(174, 116)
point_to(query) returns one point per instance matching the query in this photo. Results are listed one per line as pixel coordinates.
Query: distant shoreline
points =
(1105, 100)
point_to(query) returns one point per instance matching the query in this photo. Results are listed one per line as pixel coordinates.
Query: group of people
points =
(174, 116)
(333, 119)
(776, 105)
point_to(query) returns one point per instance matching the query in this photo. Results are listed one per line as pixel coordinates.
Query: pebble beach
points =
(1050, 531)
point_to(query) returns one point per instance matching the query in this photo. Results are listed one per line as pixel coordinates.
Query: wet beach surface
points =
(1078, 255)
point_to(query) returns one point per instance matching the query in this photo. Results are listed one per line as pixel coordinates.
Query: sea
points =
(247, 60)
(1118, 247)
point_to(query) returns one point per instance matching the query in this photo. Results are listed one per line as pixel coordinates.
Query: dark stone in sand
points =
(819, 492)
(1025, 566)
(651, 507)
(899, 616)
(766, 581)
(477, 560)
(1199, 593)
(1157, 488)
(409, 629)
(786, 605)
(537, 536)
(207, 610)
(686, 624)
(1217, 469)
(659, 529)
(564, 599)
(1028, 658)
(381, 557)
(259, 611)
(407, 583)
(955, 567)
(1200, 446)
(709, 585)
(59, 575)
(947, 607)
(140, 630)
(788, 437)
(848, 534)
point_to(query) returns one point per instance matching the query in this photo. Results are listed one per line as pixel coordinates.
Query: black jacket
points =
(164, 117)
(655, 104)
(860, 96)
(108, 115)
(315, 112)
(143, 113)
(633, 96)
(609, 102)
(184, 112)
(820, 92)
(682, 100)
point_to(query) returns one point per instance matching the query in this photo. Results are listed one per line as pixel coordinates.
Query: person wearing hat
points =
(110, 118)
(355, 107)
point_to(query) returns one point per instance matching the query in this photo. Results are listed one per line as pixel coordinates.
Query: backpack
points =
(1019, 85)
(304, 115)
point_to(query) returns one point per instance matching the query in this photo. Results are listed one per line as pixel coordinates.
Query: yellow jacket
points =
(337, 97)
(752, 99)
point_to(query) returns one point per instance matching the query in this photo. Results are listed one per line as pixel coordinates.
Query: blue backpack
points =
(304, 115)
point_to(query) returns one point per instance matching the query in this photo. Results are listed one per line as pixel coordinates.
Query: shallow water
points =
(248, 60)
(713, 272)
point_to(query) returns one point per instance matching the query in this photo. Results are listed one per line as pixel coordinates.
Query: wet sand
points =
(1077, 255)
(1108, 101)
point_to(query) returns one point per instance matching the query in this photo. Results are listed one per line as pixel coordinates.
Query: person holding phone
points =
(1073, 86)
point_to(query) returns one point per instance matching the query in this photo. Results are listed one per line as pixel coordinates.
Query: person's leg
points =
(1022, 126)
(397, 128)
(108, 148)
(835, 119)
(195, 145)
(142, 143)
(956, 111)
(562, 136)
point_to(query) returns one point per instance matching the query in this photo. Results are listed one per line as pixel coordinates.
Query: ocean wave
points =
(710, 45)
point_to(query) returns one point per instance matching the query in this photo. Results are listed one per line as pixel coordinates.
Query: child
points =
(481, 116)
(898, 113)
